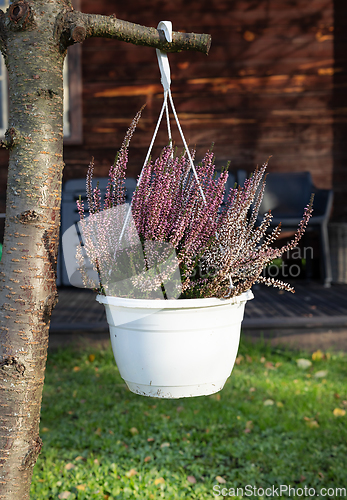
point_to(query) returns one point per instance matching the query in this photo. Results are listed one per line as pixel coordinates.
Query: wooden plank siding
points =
(274, 83)
(265, 88)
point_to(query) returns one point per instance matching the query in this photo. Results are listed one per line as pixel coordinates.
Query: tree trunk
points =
(34, 37)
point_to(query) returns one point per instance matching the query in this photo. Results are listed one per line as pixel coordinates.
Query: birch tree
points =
(34, 37)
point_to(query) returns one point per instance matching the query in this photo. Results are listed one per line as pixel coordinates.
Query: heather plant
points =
(178, 219)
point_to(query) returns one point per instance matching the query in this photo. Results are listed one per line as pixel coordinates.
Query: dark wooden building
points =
(274, 84)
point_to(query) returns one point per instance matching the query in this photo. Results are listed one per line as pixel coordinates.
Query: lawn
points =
(278, 421)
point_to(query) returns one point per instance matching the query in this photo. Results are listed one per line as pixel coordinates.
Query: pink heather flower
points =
(167, 207)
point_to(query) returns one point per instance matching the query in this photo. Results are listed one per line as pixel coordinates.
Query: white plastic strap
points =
(163, 60)
(164, 67)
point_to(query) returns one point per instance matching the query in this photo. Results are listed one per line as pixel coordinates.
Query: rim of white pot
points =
(173, 303)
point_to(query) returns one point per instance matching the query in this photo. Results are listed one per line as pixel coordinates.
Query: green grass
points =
(272, 424)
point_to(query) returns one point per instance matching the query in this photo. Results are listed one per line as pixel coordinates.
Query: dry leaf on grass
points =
(249, 426)
(303, 363)
(131, 473)
(64, 495)
(159, 480)
(70, 466)
(220, 480)
(317, 355)
(339, 412)
(191, 479)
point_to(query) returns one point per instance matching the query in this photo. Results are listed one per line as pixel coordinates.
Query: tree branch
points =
(81, 26)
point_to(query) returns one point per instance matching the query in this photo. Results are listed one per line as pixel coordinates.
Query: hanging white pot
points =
(175, 348)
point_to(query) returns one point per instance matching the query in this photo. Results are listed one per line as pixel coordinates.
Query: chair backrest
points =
(72, 189)
(286, 194)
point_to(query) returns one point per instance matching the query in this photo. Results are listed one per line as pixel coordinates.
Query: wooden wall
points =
(271, 85)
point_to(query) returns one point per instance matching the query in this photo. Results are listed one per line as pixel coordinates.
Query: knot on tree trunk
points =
(28, 216)
(31, 456)
(20, 14)
(12, 366)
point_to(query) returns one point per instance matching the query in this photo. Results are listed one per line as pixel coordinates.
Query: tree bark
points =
(34, 37)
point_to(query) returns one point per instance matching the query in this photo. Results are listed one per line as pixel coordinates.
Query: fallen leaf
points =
(321, 475)
(96, 461)
(150, 440)
(269, 365)
(91, 357)
(64, 495)
(262, 359)
(339, 412)
(317, 355)
(312, 424)
(41, 480)
(164, 445)
(249, 425)
(45, 429)
(216, 397)
(179, 409)
(220, 480)
(238, 359)
(303, 363)
(252, 389)
(81, 487)
(249, 359)
(279, 404)
(159, 480)
(133, 431)
(79, 458)
(191, 479)
(336, 395)
(147, 459)
(321, 374)
(98, 431)
(344, 402)
(268, 402)
(76, 368)
(111, 432)
(70, 466)
(131, 473)
(278, 364)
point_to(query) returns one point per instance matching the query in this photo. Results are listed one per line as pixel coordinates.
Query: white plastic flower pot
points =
(175, 348)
